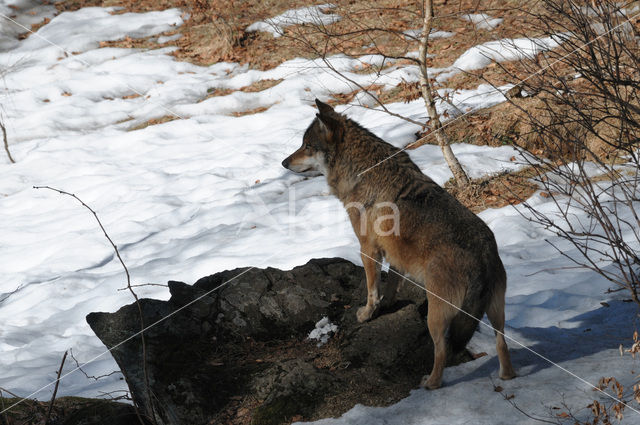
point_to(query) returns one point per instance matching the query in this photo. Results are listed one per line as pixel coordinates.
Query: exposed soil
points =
(495, 191)
(68, 411)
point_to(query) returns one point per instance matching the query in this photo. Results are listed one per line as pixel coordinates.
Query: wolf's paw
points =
(365, 313)
(505, 375)
(429, 384)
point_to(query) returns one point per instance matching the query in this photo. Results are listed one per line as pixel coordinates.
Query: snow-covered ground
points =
(206, 192)
(483, 21)
(311, 14)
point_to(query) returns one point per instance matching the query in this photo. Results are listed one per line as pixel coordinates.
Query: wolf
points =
(401, 215)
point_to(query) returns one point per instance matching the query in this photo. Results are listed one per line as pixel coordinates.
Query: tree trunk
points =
(459, 174)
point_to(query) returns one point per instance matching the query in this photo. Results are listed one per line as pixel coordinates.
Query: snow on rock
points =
(313, 14)
(323, 331)
(482, 20)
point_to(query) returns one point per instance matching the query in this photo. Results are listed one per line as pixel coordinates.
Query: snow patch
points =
(483, 21)
(323, 331)
(304, 15)
(504, 50)
(167, 38)
(18, 18)
(417, 33)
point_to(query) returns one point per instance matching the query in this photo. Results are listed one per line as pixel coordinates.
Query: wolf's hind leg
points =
(495, 313)
(371, 262)
(439, 318)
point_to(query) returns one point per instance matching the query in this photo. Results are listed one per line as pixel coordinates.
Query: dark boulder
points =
(233, 347)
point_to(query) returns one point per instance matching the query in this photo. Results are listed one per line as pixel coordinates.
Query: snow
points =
(503, 50)
(483, 21)
(323, 331)
(21, 13)
(165, 39)
(417, 33)
(206, 193)
(313, 14)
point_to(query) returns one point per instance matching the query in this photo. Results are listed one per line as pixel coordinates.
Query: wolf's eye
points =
(307, 149)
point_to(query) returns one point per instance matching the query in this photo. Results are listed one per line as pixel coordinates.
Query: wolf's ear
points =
(324, 108)
(329, 118)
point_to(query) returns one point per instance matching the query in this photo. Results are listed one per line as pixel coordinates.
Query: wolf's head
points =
(312, 158)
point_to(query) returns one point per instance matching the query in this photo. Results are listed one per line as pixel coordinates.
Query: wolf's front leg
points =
(390, 289)
(371, 261)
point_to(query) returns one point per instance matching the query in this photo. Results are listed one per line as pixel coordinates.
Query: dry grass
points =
(250, 111)
(153, 121)
(495, 191)
(511, 123)
(215, 31)
(139, 43)
(260, 85)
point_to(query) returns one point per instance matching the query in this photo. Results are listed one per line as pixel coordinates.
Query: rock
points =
(403, 334)
(288, 388)
(233, 347)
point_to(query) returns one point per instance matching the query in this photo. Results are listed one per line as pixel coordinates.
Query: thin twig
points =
(144, 284)
(8, 294)
(6, 418)
(55, 390)
(6, 143)
(553, 269)
(125, 396)
(9, 392)
(509, 399)
(135, 296)
(91, 376)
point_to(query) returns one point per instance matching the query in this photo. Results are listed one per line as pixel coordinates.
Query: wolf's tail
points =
(475, 304)
(463, 325)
